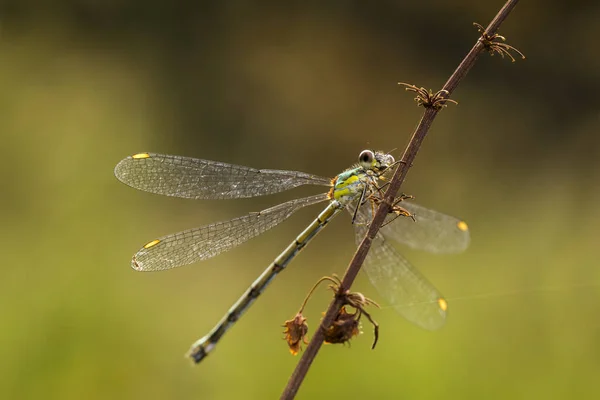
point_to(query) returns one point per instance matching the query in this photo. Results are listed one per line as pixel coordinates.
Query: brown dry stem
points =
(407, 159)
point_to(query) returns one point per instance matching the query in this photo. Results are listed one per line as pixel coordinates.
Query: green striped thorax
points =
(350, 184)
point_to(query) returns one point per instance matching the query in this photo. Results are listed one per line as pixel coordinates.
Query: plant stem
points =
(400, 174)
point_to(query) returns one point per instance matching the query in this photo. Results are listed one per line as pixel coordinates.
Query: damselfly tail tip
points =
(200, 350)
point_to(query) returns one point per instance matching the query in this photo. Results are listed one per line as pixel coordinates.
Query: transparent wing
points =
(197, 244)
(431, 231)
(401, 284)
(193, 178)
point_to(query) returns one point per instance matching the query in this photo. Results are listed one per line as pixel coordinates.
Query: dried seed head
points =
(428, 99)
(295, 333)
(344, 327)
(494, 44)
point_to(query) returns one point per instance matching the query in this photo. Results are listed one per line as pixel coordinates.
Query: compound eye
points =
(366, 159)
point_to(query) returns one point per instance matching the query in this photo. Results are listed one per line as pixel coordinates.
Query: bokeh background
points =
(302, 86)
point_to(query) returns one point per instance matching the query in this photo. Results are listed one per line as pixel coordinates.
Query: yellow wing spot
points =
(462, 225)
(140, 156)
(151, 244)
(442, 303)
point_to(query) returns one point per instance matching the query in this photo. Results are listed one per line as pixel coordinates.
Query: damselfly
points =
(357, 190)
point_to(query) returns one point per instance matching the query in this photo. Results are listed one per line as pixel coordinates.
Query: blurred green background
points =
(302, 86)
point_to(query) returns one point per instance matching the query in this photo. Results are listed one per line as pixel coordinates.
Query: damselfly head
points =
(385, 160)
(376, 161)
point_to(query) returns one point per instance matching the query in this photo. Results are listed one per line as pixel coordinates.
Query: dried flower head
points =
(495, 44)
(344, 327)
(295, 333)
(428, 99)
